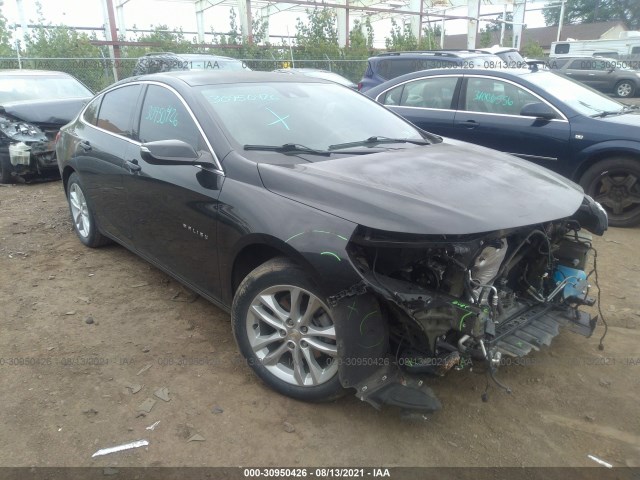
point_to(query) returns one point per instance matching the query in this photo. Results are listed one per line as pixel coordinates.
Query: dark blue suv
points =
(386, 66)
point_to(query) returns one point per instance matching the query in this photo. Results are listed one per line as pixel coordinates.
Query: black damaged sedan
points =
(34, 104)
(352, 250)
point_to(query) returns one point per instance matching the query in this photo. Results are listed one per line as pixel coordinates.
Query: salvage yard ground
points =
(87, 337)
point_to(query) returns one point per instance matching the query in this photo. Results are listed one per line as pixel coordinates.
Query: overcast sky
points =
(181, 14)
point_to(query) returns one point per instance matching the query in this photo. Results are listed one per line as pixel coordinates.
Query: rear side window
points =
(561, 48)
(164, 117)
(90, 114)
(116, 110)
(435, 92)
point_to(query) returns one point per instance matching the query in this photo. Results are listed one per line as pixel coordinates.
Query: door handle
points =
(132, 166)
(86, 146)
(469, 124)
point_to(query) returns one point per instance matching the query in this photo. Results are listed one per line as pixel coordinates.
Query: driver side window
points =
(495, 96)
(164, 117)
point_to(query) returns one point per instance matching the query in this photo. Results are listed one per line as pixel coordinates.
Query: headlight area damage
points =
(29, 149)
(448, 302)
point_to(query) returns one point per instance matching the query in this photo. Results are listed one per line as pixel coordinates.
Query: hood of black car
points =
(631, 119)
(45, 112)
(447, 188)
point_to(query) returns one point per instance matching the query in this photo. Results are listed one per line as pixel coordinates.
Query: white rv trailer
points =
(625, 47)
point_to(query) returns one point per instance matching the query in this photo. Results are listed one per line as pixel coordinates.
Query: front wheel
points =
(286, 332)
(625, 89)
(615, 184)
(82, 217)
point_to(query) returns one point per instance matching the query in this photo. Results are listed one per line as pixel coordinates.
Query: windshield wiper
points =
(288, 148)
(375, 141)
(606, 113)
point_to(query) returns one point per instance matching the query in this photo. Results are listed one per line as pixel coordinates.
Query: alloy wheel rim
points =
(619, 191)
(79, 210)
(293, 335)
(624, 89)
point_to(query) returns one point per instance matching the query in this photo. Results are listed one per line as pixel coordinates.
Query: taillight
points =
(57, 136)
(359, 86)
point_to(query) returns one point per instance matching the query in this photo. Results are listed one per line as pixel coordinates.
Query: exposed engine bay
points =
(452, 302)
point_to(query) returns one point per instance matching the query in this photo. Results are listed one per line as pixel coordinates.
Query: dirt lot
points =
(81, 327)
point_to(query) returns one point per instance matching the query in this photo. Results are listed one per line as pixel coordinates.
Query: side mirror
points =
(538, 110)
(170, 152)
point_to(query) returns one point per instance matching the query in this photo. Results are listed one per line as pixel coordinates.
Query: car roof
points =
(586, 57)
(506, 73)
(206, 77)
(434, 53)
(302, 70)
(33, 73)
(187, 55)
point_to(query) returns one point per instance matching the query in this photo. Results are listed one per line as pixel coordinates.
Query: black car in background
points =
(157, 62)
(353, 250)
(607, 75)
(536, 115)
(34, 104)
(387, 66)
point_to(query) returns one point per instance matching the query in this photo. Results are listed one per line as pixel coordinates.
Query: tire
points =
(82, 217)
(615, 184)
(624, 89)
(274, 341)
(5, 169)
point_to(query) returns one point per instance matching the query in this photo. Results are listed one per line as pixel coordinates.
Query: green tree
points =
(488, 34)
(361, 36)
(166, 40)
(6, 45)
(430, 38)
(317, 38)
(532, 49)
(401, 38)
(588, 11)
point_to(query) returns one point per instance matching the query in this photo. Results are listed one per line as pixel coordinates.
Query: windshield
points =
(579, 97)
(19, 88)
(315, 115)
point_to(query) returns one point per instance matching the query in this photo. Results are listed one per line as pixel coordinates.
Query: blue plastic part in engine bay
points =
(576, 284)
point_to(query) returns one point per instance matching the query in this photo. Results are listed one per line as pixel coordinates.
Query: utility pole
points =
(561, 20)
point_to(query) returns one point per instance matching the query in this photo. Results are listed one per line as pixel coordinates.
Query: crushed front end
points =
(453, 301)
(27, 150)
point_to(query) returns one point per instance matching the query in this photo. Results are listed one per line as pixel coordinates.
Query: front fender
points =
(600, 150)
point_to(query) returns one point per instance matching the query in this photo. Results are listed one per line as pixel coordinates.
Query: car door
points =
(489, 115)
(591, 72)
(104, 135)
(427, 102)
(174, 207)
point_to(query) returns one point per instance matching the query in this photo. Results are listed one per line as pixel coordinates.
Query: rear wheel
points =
(615, 184)
(5, 169)
(625, 88)
(286, 332)
(81, 215)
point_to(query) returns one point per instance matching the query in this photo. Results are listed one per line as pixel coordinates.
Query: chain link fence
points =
(98, 73)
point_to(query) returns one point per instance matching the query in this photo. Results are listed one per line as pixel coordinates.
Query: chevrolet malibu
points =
(352, 250)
